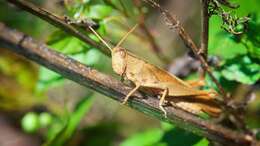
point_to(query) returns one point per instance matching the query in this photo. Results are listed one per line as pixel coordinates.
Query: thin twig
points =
(104, 84)
(155, 47)
(58, 22)
(204, 28)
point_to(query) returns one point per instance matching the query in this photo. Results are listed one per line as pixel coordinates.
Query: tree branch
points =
(104, 84)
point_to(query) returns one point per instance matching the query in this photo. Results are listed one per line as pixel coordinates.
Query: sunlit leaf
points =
(48, 79)
(66, 44)
(147, 138)
(202, 142)
(222, 43)
(98, 11)
(93, 57)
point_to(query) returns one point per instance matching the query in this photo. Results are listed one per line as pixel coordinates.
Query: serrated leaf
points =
(241, 69)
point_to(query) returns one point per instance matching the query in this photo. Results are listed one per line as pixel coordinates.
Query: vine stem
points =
(174, 23)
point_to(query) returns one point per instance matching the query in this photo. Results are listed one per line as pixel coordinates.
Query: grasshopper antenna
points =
(119, 43)
(126, 35)
(101, 39)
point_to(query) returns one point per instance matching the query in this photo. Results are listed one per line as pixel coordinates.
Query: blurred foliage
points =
(30, 122)
(58, 135)
(23, 21)
(23, 84)
(171, 136)
(18, 78)
(105, 133)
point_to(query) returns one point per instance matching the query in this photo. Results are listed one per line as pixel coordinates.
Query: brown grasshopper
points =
(151, 78)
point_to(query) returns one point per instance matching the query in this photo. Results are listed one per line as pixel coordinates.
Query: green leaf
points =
(149, 137)
(252, 37)
(176, 136)
(202, 142)
(226, 84)
(167, 126)
(171, 136)
(98, 11)
(93, 57)
(46, 75)
(228, 46)
(62, 136)
(241, 69)
(66, 44)
(246, 7)
(222, 43)
(48, 79)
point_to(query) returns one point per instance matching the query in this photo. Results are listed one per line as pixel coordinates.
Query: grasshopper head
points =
(119, 60)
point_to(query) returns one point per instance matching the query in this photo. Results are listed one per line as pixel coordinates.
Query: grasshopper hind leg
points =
(197, 83)
(162, 99)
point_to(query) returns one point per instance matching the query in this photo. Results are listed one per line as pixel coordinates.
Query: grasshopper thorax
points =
(119, 60)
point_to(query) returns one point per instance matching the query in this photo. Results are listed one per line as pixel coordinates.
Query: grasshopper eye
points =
(122, 53)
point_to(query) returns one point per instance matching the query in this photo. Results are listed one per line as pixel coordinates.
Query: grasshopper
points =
(153, 79)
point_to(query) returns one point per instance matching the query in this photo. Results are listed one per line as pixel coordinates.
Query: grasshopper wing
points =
(197, 107)
(176, 86)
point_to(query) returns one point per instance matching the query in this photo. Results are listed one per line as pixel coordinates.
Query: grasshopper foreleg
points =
(131, 93)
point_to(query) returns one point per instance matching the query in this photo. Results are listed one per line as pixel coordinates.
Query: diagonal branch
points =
(58, 22)
(104, 84)
(174, 23)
